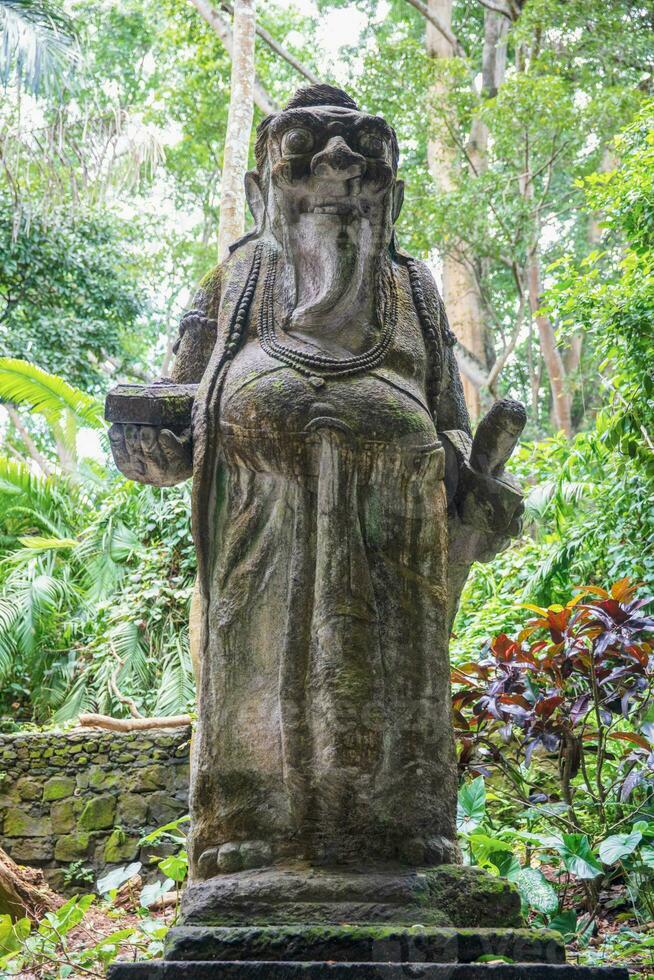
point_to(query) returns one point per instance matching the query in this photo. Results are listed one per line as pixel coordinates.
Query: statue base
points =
(448, 895)
(442, 923)
(208, 970)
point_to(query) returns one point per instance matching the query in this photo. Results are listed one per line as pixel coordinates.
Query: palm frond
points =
(37, 44)
(22, 383)
(556, 493)
(175, 690)
(37, 542)
(30, 501)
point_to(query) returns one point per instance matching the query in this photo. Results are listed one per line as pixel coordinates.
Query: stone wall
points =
(90, 796)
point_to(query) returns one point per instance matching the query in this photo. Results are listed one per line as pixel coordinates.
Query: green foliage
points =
(37, 44)
(51, 950)
(79, 555)
(610, 295)
(69, 295)
(573, 690)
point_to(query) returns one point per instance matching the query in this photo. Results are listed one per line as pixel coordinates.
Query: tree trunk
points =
(461, 293)
(561, 401)
(239, 126)
(220, 25)
(23, 891)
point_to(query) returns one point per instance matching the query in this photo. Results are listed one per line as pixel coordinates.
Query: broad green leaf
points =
(12, 934)
(167, 829)
(619, 846)
(154, 891)
(175, 866)
(578, 857)
(60, 923)
(536, 890)
(471, 808)
(565, 923)
(26, 384)
(38, 543)
(483, 845)
(117, 877)
(507, 864)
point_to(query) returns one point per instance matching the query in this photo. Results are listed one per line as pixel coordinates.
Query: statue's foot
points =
(234, 856)
(429, 852)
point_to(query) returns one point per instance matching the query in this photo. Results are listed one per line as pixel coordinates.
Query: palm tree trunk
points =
(239, 125)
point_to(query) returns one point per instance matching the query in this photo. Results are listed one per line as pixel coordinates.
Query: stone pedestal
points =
(443, 923)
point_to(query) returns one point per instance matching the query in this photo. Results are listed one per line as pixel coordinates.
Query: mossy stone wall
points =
(89, 796)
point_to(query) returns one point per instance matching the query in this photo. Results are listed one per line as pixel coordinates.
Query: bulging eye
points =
(297, 141)
(371, 145)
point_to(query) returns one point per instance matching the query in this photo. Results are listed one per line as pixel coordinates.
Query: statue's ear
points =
(254, 197)
(398, 199)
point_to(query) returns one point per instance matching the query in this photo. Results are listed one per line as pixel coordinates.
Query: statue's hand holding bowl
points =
(149, 454)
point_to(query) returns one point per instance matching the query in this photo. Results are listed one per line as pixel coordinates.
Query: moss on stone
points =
(150, 778)
(98, 813)
(20, 824)
(28, 789)
(72, 847)
(57, 788)
(132, 810)
(100, 779)
(62, 815)
(120, 847)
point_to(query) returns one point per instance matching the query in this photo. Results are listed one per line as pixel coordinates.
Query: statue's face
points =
(330, 164)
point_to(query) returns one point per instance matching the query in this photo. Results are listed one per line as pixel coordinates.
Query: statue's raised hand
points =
(149, 454)
(486, 503)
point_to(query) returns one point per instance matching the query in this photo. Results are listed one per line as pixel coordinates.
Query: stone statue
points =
(339, 501)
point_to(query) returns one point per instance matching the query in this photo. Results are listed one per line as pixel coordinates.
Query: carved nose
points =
(338, 160)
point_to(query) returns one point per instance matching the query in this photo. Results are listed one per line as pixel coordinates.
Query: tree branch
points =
(436, 22)
(133, 724)
(29, 443)
(224, 32)
(277, 47)
(497, 8)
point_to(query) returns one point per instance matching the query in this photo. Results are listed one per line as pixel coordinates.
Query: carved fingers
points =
(195, 320)
(150, 455)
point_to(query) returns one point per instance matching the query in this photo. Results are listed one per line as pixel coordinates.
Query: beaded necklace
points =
(318, 367)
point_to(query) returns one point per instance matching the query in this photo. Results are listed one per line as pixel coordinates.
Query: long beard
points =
(333, 264)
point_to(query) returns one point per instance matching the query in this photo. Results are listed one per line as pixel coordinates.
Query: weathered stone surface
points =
(163, 970)
(28, 789)
(32, 850)
(18, 823)
(101, 779)
(72, 847)
(98, 813)
(121, 847)
(168, 406)
(162, 808)
(450, 895)
(132, 810)
(62, 815)
(55, 785)
(149, 778)
(227, 857)
(58, 787)
(415, 944)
